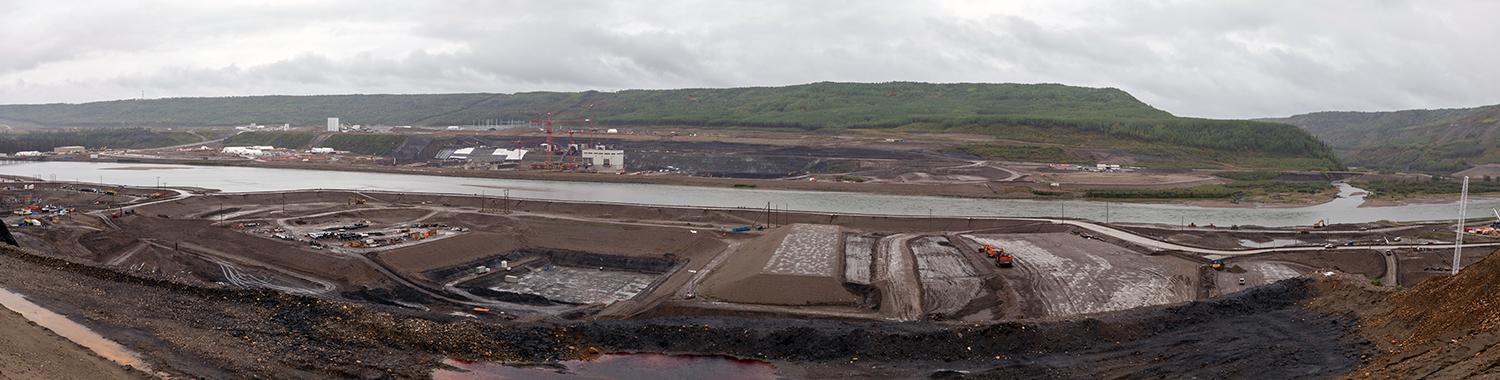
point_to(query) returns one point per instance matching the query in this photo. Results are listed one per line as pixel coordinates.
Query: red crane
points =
(548, 123)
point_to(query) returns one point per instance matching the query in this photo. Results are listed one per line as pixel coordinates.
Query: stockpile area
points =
(859, 255)
(1418, 265)
(949, 282)
(1067, 274)
(449, 252)
(184, 331)
(790, 265)
(1445, 327)
(494, 235)
(557, 276)
(578, 285)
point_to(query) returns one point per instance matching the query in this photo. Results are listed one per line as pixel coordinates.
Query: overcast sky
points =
(1219, 58)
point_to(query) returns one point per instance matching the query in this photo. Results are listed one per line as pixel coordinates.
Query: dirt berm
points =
(1445, 327)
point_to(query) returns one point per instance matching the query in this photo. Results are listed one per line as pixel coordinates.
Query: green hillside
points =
(292, 140)
(379, 145)
(119, 138)
(1437, 141)
(1045, 113)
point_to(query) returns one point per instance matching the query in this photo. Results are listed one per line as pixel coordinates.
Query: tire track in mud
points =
(1071, 278)
(897, 269)
(948, 281)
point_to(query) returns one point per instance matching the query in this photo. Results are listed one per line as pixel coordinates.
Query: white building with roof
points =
(605, 160)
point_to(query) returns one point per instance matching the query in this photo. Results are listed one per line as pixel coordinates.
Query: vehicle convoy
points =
(1002, 258)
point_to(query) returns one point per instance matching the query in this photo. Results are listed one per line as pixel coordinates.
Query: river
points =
(1345, 209)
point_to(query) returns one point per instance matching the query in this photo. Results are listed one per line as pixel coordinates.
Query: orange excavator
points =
(1002, 258)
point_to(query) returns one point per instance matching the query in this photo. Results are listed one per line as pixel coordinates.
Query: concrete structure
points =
(73, 149)
(605, 160)
(333, 124)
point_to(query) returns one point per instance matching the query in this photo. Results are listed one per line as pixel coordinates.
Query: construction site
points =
(500, 261)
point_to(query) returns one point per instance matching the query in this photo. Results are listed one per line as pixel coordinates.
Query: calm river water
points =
(237, 179)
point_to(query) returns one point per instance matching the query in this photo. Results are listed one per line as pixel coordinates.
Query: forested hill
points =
(1047, 112)
(1438, 141)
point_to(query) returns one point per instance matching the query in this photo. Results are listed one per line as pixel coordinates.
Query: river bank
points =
(1021, 190)
(1344, 209)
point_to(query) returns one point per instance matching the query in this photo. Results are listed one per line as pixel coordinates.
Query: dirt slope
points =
(28, 351)
(1445, 327)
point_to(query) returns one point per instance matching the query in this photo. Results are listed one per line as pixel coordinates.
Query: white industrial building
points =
(510, 154)
(605, 160)
(333, 124)
(484, 154)
(71, 149)
(247, 151)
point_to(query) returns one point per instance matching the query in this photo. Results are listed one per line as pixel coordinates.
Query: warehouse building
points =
(605, 160)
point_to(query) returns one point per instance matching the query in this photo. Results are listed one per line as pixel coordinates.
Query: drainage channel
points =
(628, 366)
(75, 332)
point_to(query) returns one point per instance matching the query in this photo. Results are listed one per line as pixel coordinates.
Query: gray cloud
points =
(1232, 58)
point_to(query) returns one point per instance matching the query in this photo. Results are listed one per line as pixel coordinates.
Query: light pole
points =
(1463, 208)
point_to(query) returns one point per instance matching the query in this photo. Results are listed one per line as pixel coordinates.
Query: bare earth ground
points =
(1070, 275)
(1070, 283)
(196, 332)
(31, 352)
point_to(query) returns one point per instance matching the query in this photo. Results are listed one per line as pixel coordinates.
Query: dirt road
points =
(897, 269)
(1221, 253)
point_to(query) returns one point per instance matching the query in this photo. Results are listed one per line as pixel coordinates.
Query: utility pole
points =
(1463, 208)
(769, 223)
(507, 201)
(1106, 212)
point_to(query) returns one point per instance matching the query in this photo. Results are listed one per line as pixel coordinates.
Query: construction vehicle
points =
(1321, 223)
(1002, 258)
(1216, 264)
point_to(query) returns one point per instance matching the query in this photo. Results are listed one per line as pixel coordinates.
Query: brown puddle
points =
(73, 331)
(618, 366)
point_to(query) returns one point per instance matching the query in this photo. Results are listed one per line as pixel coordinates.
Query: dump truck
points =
(1002, 258)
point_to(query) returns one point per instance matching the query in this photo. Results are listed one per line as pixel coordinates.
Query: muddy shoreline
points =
(977, 190)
